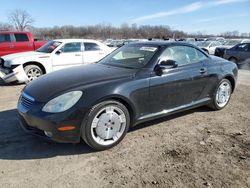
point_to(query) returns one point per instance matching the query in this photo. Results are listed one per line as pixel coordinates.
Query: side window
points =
(183, 55)
(242, 47)
(91, 46)
(21, 38)
(218, 43)
(5, 38)
(71, 47)
(194, 55)
(201, 56)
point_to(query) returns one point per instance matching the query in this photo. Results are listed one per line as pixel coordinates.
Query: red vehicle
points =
(14, 42)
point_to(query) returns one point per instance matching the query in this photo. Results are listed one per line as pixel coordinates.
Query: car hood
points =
(55, 83)
(20, 55)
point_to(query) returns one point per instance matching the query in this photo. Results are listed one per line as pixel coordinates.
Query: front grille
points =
(26, 101)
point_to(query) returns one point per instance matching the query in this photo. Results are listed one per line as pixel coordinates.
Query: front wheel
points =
(106, 125)
(222, 95)
(33, 72)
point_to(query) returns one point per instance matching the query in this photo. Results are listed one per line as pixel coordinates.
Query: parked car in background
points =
(209, 46)
(245, 41)
(239, 54)
(100, 102)
(220, 39)
(116, 44)
(219, 51)
(200, 39)
(191, 41)
(14, 42)
(54, 55)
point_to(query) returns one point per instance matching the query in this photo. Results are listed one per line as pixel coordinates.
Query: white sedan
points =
(54, 55)
(209, 46)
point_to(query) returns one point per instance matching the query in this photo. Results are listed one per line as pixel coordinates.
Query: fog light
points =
(48, 134)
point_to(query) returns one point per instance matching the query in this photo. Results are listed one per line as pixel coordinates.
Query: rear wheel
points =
(106, 125)
(33, 72)
(222, 95)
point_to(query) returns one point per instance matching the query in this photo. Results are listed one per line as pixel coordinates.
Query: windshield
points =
(134, 56)
(204, 44)
(232, 42)
(49, 47)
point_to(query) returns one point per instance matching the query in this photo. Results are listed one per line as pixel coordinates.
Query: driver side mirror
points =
(168, 64)
(58, 52)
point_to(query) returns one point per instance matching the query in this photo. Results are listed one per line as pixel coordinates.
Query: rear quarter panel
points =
(219, 69)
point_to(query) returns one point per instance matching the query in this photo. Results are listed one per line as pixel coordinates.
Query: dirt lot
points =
(198, 148)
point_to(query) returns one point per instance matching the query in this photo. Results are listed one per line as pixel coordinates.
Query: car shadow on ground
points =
(10, 84)
(244, 65)
(15, 144)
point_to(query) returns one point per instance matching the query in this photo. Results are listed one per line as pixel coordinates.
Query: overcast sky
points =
(208, 16)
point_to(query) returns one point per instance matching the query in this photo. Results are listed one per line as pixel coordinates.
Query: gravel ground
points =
(197, 148)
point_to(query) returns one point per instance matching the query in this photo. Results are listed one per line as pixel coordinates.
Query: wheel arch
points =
(232, 81)
(126, 102)
(232, 57)
(37, 64)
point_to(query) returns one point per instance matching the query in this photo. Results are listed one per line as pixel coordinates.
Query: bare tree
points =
(5, 27)
(20, 19)
(104, 31)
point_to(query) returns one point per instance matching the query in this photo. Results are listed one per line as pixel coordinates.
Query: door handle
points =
(77, 54)
(203, 70)
(11, 46)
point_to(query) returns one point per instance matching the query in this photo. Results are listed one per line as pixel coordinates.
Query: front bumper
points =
(36, 122)
(9, 75)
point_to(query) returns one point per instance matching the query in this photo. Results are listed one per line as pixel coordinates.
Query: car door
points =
(182, 85)
(243, 52)
(70, 54)
(92, 52)
(22, 43)
(5, 44)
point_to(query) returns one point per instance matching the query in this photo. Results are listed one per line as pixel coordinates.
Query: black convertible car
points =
(136, 83)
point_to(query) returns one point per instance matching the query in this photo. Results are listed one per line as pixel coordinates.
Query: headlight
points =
(62, 102)
(7, 63)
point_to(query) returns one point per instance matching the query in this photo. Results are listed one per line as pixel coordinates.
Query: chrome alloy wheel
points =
(108, 125)
(223, 94)
(33, 73)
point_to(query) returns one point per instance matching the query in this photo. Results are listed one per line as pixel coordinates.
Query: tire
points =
(221, 95)
(33, 72)
(106, 125)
